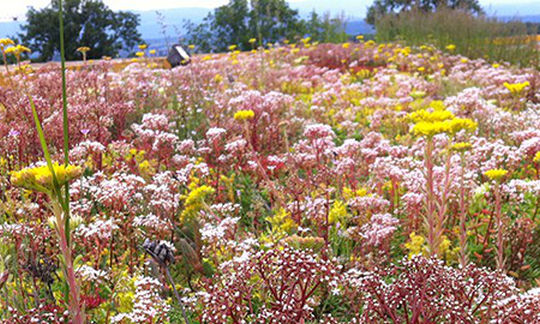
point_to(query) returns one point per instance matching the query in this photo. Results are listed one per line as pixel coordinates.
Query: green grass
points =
(473, 36)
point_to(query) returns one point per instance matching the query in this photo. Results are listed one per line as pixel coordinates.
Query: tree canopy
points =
(382, 7)
(268, 21)
(87, 23)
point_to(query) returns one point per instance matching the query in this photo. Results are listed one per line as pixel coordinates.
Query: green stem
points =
(65, 118)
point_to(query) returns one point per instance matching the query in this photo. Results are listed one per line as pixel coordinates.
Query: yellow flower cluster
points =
(495, 174)
(244, 114)
(516, 88)
(338, 212)
(193, 201)
(5, 42)
(348, 193)
(281, 222)
(17, 50)
(439, 121)
(40, 178)
(415, 244)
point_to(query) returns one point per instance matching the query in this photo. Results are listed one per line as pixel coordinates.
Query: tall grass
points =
(473, 36)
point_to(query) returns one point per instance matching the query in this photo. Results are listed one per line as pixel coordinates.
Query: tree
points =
(268, 21)
(241, 20)
(327, 29)
(383, 7)
(87, 23)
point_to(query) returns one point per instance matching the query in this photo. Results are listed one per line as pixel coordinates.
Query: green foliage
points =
(473, 36)
(267, 21)
(381, 8)
(87, 23)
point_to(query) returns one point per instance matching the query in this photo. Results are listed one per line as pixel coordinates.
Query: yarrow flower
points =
(40, 178)
(244, 114)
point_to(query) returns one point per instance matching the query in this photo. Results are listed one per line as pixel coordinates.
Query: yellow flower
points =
(139, 54)
(495, 174)
(281, 221)
(232, 47)
(193, 201)
(338, 212)
(537, 157)
(142, 47)
(429, 129)
(451, 47)
(191, 46)
(457, 124)
(152, 52)
(426, 116)
(415, 244)
(360, 37)
(244, 114)
(345, 45)
(252, 40)
(83, 49)
(5, 42)
(17, 50)
(439, 121)
(348, 193)
(461, 147)
(437, 105)
(516, 88)
(40, 178)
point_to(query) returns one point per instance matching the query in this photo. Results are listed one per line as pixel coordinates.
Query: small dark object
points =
(42, 269)
(163, 256)
(178, 56)
(160, 252)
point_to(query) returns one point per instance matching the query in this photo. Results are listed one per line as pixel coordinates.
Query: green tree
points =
(240, 20)
(326, 29)
(268, 21)
(383, 7)
(87, 23)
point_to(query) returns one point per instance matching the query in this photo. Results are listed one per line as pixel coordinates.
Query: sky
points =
(17, 8)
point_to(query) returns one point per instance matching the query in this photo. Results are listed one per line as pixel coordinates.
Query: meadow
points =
(359, 182)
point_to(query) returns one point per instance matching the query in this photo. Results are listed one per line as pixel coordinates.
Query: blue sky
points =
(17, 8)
